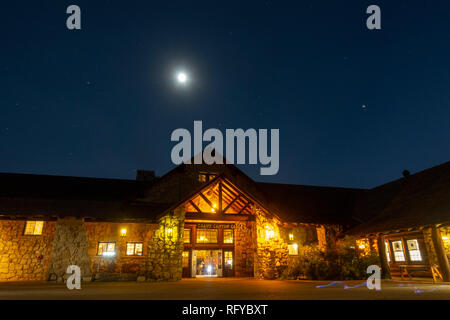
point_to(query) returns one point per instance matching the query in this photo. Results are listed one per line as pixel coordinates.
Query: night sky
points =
(354, 107)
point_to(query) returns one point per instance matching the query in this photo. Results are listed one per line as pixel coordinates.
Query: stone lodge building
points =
(212, 220)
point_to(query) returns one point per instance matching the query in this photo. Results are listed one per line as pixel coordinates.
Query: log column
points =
(440, 253)
(383, 257)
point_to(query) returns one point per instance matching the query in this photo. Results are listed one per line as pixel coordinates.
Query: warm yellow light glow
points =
(213, 210)
(169, 232)
(270, 234)
(445, 238)
(362, 246)
(295, 246)
(123, 232)
(291, 236)
(214, 205)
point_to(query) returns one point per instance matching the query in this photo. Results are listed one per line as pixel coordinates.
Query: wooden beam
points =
(230, 204)
(385, 270)
(243, 208)
(218, 217)
(195, 206)
(206, 199)
(440, 253)
(220, 197)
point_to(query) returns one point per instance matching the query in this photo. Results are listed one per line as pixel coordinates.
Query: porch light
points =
(362, 246)
(291, 236)
(213, 210)
(270, 234)
(123, 233)
(169, 232)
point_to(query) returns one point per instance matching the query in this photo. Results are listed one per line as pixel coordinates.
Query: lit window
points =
(398, 251)
(33, 228)
(206, 176)
(228, 236)
(414, 252)
(187, 236)
(134, 248)
(388, 255)
(228, 255)
(293, 249)
(206, 235)
(202, 177)
(106, 249)
(185, 259)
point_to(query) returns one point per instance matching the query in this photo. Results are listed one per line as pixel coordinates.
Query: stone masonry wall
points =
(69, 248)
(272, 251)
(24, 258)
(445, 233)
(166, 247)
(111, 232)
(245, 248)
(432, 258)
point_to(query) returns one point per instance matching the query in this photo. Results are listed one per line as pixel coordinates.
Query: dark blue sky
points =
(101, 101)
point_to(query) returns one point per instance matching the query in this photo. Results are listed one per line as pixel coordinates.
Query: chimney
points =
(145, 175)
(406, 173)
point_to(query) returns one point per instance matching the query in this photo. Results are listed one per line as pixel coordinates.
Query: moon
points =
(182, 77)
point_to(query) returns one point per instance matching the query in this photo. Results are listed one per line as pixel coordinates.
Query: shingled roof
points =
(311, 204)
(30, 195)
(417, 200)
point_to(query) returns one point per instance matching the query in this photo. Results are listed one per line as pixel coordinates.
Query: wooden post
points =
(220, 197)
(440, 253)
(383, 257)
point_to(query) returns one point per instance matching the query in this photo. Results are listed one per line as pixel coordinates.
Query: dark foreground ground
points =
(227, 289)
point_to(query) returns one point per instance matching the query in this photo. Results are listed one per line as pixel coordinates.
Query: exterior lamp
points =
(270, 234)
(362, 246)
(123, 233)
(445, 238)
(291, 236)
(169, 232)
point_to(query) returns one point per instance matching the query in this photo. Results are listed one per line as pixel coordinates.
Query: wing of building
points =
(209, 221)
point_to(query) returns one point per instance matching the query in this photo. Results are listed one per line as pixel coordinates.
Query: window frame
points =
(207, 230)
(190, 235)
(34, 228)
(107, 242)
(232, 236)
(296, 249)
(134, 243)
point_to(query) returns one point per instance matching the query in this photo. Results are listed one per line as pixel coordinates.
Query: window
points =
(206, 176)
(228, 236)
(202, 177)
(293, 249)
(134, 248)
(206, 235)
(413, 248)
(388, 255)
(228, 255)
(187, 236)
(185, 259)
(33, 228)
(398, 251)
(106, 249)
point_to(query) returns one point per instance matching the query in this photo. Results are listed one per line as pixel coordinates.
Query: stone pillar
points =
(70, 247)
(166, 247)
(440, 253)
(383, 257)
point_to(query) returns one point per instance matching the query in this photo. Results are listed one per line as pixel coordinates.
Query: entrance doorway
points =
(207, 263)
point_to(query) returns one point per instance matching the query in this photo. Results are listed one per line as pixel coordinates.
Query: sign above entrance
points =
(218, 226)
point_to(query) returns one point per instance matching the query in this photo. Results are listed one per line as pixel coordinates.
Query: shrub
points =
(340, 263)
